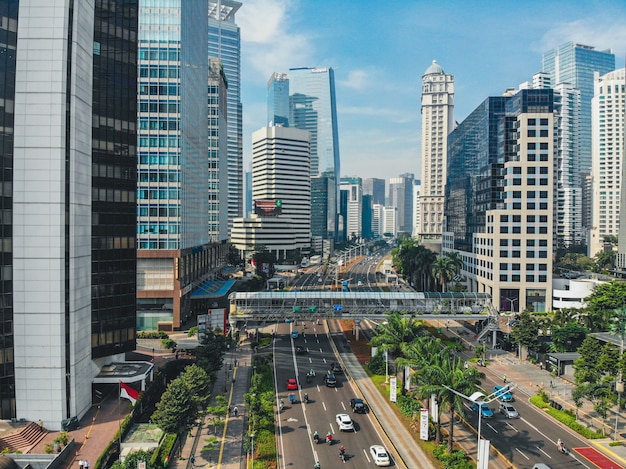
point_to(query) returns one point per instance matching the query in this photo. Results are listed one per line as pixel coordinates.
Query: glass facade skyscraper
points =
(173, 125)
(225, 44)
(500, 199)
(575, 64)
(313, 108)
(278, 100)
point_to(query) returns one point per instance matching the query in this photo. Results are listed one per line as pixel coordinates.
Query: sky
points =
(379, 51)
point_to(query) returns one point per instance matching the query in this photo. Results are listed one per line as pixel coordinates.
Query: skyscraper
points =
(575, 65)
(568, 215)
(313, 108)
(607, 111)
(499, 199)
(278, 100)
(69, 257)
(182, 164)
(354, 207)
(437, 123)
(281, 193)
(225, 44)
(376, 188)
(401, 197)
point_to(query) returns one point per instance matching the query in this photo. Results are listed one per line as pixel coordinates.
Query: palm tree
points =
(456, 260)
(444, 269)
(397, 330)
(443, 375)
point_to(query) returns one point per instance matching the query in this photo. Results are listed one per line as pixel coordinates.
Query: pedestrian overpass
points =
(284, 305)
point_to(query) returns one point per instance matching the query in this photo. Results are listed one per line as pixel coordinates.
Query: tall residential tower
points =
(437, 123)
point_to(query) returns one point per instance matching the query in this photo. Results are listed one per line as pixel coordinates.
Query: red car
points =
(292, 384)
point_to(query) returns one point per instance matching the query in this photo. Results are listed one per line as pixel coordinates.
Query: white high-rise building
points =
(390, 220)
(568, 214)
(437, 123)
(377, 219)
(281, 193)
(354, 215)
(417, 190)
(607, 153)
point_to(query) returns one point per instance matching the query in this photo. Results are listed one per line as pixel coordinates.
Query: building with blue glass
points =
(278, 100)
(225, 44)
(575, 65)
(313, 107)
(181, 122)
(499, 198)
(68, 147)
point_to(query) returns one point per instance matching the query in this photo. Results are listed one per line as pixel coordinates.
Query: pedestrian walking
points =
(504, 379)
(230, 409)
(81, 463)
(235, 411)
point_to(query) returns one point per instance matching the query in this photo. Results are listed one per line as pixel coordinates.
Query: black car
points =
(358, 406)
(330, 380)
(336, 368)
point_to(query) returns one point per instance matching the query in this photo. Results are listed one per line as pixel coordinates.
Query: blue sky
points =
(380, 49)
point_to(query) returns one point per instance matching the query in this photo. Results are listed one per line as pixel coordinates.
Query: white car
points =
(379, 455)
(344, 422)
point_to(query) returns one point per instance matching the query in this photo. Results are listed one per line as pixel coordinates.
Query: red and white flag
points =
(129, 393)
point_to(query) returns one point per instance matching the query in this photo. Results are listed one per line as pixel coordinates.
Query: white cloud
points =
(268, 44)
(600, 32)
(357, 80)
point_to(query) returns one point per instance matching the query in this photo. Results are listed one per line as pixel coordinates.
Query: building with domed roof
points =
(437, 123)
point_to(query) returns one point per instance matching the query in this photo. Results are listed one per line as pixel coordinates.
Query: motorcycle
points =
(306, 398)
(329, 439)
(342, 454)
(561, 447)
(316, 438)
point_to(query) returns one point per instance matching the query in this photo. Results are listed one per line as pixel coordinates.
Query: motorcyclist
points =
(306, 397)
(560, 446)
(317, 465)
(329, 438)
(316, 437)
(282, 404)
(342, 449)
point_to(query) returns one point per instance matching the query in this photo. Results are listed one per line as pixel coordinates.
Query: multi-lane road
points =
(297, 422)
(523, 441)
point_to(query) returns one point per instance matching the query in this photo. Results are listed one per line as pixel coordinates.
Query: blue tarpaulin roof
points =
(213, 289)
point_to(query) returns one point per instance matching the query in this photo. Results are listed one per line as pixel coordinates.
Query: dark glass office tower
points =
(8, 46)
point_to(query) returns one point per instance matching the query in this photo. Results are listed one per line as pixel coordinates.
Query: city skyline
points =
(378, 76)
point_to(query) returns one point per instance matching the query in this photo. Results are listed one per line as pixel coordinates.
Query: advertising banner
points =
(424, 424)
(393, 388)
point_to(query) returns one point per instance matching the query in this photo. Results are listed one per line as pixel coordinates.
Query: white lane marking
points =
(520, 452)
(512, 427)
(489, 425)
(324, 405)
(367, 456)
(543, 452)
(343, 406)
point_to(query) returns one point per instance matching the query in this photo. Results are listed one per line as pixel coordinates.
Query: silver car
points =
(508, 410)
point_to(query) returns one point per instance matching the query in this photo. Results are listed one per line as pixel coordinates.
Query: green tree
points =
(586, 368)
(602, 303)
(177, 410)
(396, 331)
(445, 375)
(198, 382)
(130, 461)
(569, 337)
(526, 331)
(210, 353)
(604, 260)
(444, 269)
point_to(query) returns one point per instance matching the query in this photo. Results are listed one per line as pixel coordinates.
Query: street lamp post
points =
(482, 454)
(511, 303)
(252, 451)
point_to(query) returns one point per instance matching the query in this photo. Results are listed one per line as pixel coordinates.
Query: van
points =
(541, 465)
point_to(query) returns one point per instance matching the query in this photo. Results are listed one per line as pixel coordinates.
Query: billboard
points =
(268, 207)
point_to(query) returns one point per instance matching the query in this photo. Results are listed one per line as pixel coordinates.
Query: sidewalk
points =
(227, 451)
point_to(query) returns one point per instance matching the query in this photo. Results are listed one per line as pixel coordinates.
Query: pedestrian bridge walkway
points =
(277, 305)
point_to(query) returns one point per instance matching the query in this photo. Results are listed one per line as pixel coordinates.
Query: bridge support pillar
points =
(494, 338)
(357, 324)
